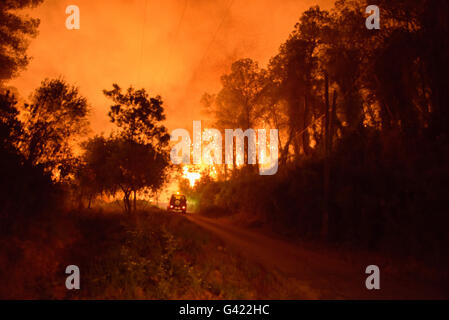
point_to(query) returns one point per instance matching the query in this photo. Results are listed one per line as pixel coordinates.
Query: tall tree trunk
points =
(305, 134)
(333, 115)
(326, 175)
(234, 154)
(135, 200)
(126, 202)
(285, 149)
(80, 201)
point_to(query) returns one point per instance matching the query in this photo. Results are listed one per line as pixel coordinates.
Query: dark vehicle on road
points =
(178, 202)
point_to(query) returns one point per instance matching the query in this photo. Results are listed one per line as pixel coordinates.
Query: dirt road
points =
(321, 276)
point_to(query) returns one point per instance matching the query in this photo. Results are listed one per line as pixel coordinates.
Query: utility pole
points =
(329, 118)
(326, 171)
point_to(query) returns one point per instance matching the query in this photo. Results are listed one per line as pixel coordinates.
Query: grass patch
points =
(152, 255)
(157, 255)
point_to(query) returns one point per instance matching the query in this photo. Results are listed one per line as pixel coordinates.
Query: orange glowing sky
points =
(175, 48)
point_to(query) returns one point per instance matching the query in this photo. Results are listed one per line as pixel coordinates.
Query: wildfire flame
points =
(191, 176)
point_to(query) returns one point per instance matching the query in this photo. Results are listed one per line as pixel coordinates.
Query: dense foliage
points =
(363, 119)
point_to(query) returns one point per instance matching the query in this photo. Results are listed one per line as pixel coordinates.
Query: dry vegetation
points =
(153, 255)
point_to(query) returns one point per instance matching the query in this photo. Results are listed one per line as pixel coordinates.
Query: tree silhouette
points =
(17, 175)
(14, 31)
(11, 129)
(364, 117)
(138, 116)
(239, 102)
(55, 119)
(135, 158)
(116, 164)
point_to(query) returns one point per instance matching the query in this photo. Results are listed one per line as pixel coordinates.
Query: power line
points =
(216, 33)
(181, 18)
(311, 124)
(210, 43)
(178, 27)
(141, 41)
